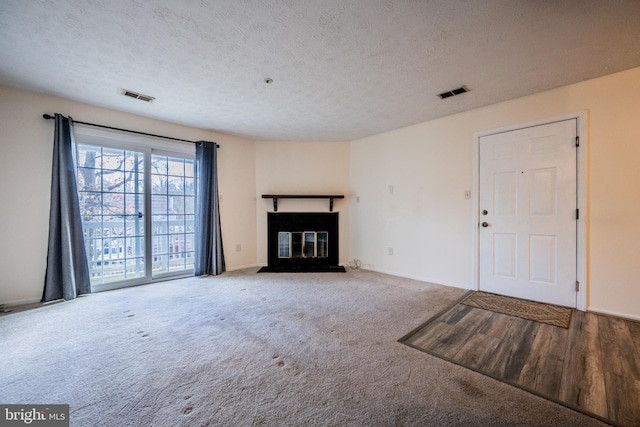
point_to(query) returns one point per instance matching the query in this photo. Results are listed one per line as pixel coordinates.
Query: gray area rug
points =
(246, 349)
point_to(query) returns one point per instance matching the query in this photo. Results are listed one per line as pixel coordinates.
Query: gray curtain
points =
(67, 274)
(209, 256)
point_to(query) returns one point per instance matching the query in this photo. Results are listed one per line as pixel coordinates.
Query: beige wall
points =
(25, 179)
(302, 168)
(427, 221)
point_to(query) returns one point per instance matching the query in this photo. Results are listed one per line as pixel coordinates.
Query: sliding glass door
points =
(117, 187)
(173, 209)
(111, 195)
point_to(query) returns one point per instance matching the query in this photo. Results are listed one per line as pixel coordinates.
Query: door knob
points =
(485, 212)
(485, 224)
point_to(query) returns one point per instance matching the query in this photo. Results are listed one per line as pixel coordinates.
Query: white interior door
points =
(528, 213)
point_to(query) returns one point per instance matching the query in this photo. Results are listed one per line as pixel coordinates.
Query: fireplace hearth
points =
(302, 242)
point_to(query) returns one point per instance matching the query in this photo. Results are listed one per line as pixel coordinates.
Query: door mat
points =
(530, 310)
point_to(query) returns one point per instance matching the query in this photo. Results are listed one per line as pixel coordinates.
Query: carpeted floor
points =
(247, 349)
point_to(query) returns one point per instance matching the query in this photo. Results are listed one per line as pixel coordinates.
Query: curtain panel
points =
(209, 254)
(67, 273)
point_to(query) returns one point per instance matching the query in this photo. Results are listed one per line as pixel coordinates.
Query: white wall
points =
(237, 186)
(428, 222)
(26, 145)
(302, 168)
(426, 219)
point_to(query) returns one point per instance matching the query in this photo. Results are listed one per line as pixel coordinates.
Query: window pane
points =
(177, 262)
(135, 247)
(134, 162)
(112, 204)
(189, 221)
(189, 242)
(91, 226)
(189, 186)
(189, 261)
(188, 168)
(158, 184)
(309, 244)
(113, 181)
(160, 244)
(322, 244)
(90, 204)
(112, 159)
(175, 166)
(93, 247)
(135, 267)
(159, 204)
(284, 247)
(89, 156)
(175, 185)
(296, 245)
(159, 165)
(172, 214)
(134, 204)
(189, 205)
(113, 271)
(176, 205)
(160, 264)
(134, 182)
(134, 228)
(88, 179)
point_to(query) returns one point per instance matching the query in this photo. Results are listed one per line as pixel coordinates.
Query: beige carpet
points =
(247, 349)
(524, 309)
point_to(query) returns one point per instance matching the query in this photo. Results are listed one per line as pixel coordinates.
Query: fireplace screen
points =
(303, 244)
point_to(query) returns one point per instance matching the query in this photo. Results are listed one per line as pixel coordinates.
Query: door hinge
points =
(577, 213)
(577, 141)
(577, 286)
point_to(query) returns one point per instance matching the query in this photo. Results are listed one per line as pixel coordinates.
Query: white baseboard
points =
(242, 267)
(614, 313)
(20, 302)
(419, 278)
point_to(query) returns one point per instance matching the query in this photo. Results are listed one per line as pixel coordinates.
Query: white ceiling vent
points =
(136, 95)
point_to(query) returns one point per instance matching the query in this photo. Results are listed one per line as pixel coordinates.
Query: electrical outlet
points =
(390, 251)
(391, 189)
(238, 247)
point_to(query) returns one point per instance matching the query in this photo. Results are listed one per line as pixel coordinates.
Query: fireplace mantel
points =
(275, 198)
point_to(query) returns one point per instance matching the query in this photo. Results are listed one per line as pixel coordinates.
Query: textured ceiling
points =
(341, 69)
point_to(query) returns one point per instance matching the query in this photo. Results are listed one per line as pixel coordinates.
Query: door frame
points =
(581, 178)
(122, 140)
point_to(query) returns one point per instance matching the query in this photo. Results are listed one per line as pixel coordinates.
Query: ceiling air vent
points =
(453, 92)
(136, 95)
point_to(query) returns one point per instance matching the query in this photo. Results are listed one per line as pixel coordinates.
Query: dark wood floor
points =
(594, 366)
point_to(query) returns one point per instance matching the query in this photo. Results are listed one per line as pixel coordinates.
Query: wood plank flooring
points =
(592, 367)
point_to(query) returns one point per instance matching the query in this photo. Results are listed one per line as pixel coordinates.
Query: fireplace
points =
(302, 242)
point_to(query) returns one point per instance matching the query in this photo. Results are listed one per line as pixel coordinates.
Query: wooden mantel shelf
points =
(275, 198)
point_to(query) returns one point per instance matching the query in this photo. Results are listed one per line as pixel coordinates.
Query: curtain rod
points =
(49, 117)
